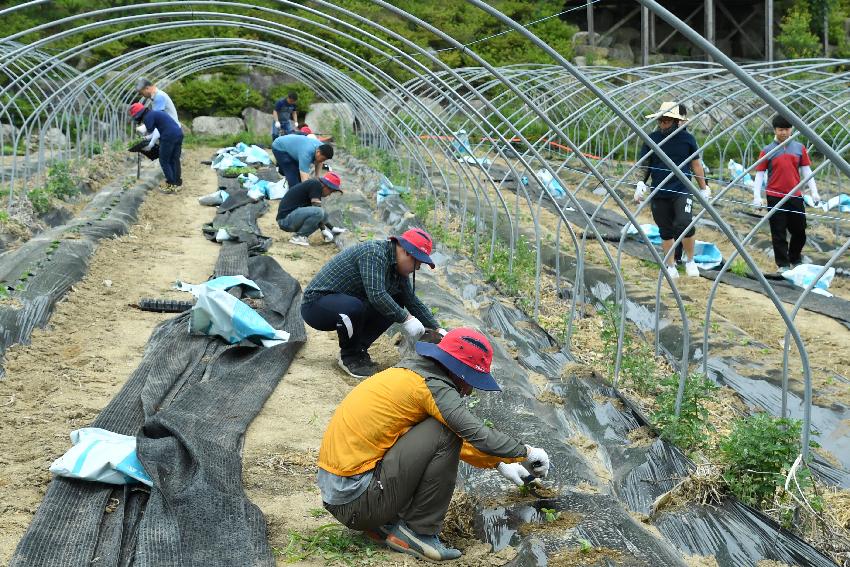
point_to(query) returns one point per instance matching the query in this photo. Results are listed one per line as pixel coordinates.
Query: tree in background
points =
(796, 38)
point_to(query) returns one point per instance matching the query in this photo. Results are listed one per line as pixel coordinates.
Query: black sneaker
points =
(358, 368)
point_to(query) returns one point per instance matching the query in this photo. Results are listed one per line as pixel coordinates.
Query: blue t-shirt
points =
(169, 130)
(678, 148)
(300, 148)
(161, 101)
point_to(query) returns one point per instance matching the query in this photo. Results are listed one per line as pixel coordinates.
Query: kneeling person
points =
(300, 210)
(363, 290)
(389, 457)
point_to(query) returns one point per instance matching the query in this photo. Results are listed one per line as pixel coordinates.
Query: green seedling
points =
(585, 546)
(488, 423)
(550, 514)
(318, 512)
(473, 401)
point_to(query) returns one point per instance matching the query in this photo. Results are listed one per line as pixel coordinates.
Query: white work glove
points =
(277, 124)
(442, 332)
(338, 230)
(413, 327)
(514, 472)
(706, 193)
(640, 191)
(757, 202)
(149, 147)
(327, 235)
(537, 462)
(142, 129)
(815, 195)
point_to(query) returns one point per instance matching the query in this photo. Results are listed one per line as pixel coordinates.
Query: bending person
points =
(389, 457)
(298, 157)
(170, 141)
(672, 203)
(363, 290)
(300, 210)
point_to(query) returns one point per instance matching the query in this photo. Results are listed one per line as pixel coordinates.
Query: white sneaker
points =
(674, 273)
(691, 269)
(338, 230)
(299, 240)
(327, 235)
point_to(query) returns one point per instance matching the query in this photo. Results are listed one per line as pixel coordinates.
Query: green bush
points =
(757, 451)
(216, 97)
(237, 170)
(40, 200)
(688, 430)
(306, 96)
(61, 183)
(796, 38)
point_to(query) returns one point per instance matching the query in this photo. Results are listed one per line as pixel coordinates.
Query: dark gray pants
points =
(414, 482)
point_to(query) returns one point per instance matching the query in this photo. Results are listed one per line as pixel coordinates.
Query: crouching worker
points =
(300, 210)
(365, 289)
(389, 457)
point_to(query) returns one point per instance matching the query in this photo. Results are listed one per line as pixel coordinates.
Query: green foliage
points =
(216, 97)
(688, 430)
(585, 545)
(225, 141)
(550, 514)
(637, 365)
(40, 200)
(757, 451)
(4, 217)
(306, 96)
(739, 268)
(237, 170)
(61, 182)
(796, 38)
(331, 542)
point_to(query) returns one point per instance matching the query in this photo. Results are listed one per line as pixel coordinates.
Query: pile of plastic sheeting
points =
(804, 274)
(387, 188)
(240, 155)
(549, 183)
(706, 254)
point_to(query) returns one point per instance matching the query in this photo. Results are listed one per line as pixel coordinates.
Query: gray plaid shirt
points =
(368, 272)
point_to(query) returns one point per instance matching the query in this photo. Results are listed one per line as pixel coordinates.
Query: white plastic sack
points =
(102, 456)
(550, 183)
(218, 313)
(805, 274)
(277, 190)
(736, 170)
(650, 230)
(256, 154)
(707, 255)
(224, 161)
(461, 143)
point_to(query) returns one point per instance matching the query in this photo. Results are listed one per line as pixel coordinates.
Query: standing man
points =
(300, 211)
(783, 168)
(363, 290)
(159, 99)
(170, 141)
(298, 156)
(672, 203)
(285, 115)
(389, 457)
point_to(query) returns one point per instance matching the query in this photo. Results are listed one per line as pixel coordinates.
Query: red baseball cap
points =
(467, 354)
(306, 129)
(418, 243)
(136, 108)
(332, 180)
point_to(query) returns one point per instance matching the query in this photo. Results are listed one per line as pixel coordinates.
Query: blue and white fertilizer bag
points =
(736, 171)
(101, 456)
(223, 161)
(550, 183)
(805, 274)
(650, 230)
(707, 255)
(218, 313)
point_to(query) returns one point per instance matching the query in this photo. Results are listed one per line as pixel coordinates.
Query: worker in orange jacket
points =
(389, 457)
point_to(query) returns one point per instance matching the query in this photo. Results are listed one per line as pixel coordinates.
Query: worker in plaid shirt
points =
(365, 289)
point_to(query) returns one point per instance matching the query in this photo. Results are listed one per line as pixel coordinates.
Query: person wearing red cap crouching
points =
(300, 210)
(363, 290)
(389, 457)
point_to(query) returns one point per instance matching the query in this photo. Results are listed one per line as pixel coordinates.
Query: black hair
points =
(326, 150)
(293, 96)
(780, 121)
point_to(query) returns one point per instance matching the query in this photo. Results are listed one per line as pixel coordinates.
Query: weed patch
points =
(332, 542)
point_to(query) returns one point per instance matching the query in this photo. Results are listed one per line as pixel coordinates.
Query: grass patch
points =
(332, 542)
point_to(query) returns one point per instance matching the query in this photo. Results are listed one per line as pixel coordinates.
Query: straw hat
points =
(671, 110)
